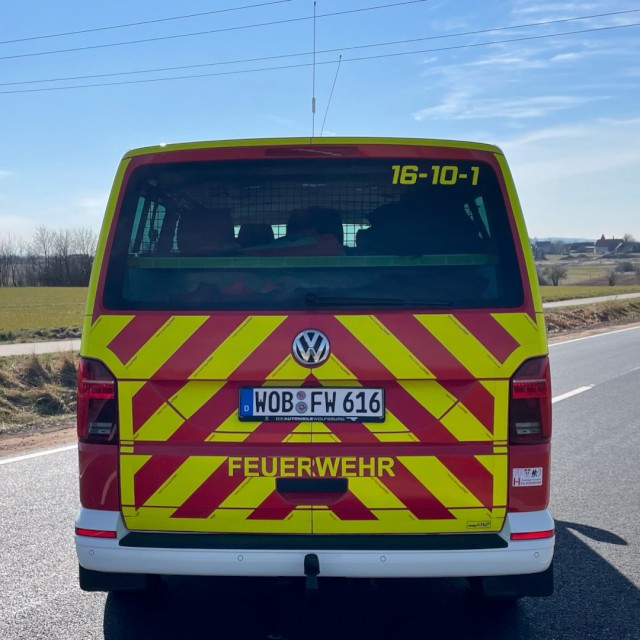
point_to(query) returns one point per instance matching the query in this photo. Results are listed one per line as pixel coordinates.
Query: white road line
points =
(28, 456)
(596, 335)
(570, 394)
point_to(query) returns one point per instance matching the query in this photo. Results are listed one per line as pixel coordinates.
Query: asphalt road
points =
(595, 499)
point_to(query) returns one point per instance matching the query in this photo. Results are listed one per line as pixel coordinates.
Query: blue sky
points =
(565, 109)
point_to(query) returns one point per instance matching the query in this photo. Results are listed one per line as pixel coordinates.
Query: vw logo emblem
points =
(311, 348)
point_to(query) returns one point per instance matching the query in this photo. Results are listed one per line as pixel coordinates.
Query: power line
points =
(210, 31)
(308, 64)
(144, 22)
(306, 53)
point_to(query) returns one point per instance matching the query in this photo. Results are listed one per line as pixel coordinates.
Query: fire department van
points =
(315, 357)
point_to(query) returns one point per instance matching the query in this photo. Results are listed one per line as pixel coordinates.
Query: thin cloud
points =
(466, 107)
(551, 155)
(554, 8)
(510, 60)
(4, 174)
(576, 180)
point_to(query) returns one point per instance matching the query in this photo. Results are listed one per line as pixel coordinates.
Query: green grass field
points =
(569, 292)
(24, 310)
(42, 313)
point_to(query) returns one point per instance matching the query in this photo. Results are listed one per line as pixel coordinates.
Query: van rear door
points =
(438, 463)
(405, 259)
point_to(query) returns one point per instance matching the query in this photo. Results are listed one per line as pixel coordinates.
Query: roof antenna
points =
(313, 89)
(331, 94)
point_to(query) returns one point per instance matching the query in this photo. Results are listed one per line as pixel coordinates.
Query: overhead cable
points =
(210, 31)
(143, 22)
(320, 51)
(308, 64)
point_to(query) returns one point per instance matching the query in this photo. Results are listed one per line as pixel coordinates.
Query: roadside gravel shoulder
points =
(54, 433)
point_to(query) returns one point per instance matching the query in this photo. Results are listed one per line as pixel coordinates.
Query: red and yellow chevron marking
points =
(387, 494)
(446, 382)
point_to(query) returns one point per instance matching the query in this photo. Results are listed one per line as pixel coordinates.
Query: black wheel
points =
(479, 594)
(118, 582)
(509, 589)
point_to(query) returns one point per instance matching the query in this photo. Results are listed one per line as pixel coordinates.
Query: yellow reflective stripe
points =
(250, 494)
(498, 466)
(462, 344)
(391, 424)
(221, 521)
(96, 336)
(325, 437)
(475, 514)
(185, 402)
(227, 437)
(530, 334)
(303, 427)
(130, 464)
(126, 391)
(463, 424)
(335, 370)
(161, 425)
(377, 339)
(193, 396)
(401, 521)
(374, 494)
(162, 345)
(288, 369)
(321, 432)
(446, 487)
(432, 396)
(187, 478)
(391, 430)
(320, 427)
(300, 438)
(235, 426)
(522, 328)
(237, 347)
(499, 389)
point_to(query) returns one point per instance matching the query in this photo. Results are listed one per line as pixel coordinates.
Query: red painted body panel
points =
(99, 482)
(528, 456)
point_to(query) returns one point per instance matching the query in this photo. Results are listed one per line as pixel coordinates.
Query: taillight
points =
(97, 404)
(533, 535)
(95, 533)
(530, 403)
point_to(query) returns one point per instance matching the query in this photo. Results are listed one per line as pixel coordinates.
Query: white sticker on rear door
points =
(527, 477)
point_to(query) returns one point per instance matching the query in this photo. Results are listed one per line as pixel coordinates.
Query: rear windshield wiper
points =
(313, 299)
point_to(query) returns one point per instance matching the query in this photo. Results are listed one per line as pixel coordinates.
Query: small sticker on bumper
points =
(527, 477)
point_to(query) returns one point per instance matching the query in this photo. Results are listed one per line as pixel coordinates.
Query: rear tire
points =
(118, 582)
(507, 590)
(479, 594)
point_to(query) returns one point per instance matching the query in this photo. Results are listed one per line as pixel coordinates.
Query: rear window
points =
(313, 233)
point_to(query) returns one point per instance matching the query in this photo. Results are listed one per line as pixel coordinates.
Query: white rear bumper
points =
(519, 557)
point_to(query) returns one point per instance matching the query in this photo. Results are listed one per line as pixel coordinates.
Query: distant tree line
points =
(50, 258)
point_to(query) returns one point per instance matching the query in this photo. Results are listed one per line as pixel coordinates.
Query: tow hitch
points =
(311, 571)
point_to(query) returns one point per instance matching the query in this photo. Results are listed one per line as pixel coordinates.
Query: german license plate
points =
(309, 403)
